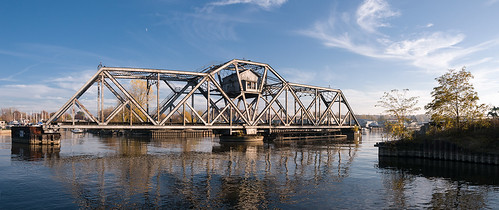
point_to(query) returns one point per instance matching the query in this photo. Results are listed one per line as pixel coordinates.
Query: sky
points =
(49, 49)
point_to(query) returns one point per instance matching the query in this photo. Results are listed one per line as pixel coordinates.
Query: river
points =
(88, 171)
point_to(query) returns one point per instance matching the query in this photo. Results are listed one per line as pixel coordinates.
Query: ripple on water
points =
(119, 172)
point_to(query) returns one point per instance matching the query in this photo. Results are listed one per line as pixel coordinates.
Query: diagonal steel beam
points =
(221, 114)
(130, 98)
(334, 117)
(328, 107)
(243, 92)
(301, 104)
(172, 100)
(183, 100)
(85, 110)
(122, 101)
(276, 114)
(115, 112)
(228, 99)
(274, 98)
(213, 104)
(77, 95)
(346, 116)
(196, 113)
(349, 109)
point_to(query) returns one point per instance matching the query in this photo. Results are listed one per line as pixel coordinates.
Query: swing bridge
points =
(237, 96)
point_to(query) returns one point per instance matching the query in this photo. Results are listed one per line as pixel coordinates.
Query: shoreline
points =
(435, 150)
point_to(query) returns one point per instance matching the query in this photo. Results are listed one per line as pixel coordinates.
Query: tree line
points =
(454, 106)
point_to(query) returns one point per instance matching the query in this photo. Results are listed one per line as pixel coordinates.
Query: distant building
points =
(368, 123)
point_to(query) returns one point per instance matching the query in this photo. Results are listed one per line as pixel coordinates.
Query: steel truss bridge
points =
(236, 96)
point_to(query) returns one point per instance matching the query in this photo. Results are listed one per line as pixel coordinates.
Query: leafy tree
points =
(80, 115)
(455, 100)
(493, 112)
(400, 106)
(143, 96)
(139, 92)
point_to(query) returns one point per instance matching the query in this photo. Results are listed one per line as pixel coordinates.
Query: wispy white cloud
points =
(298, 75)
(72, 81)
(373, 13)
(371, 97)
(427, 50)
(266, 4)
(12, 77)
(30, 96)
(423, 45)
(491, 2)
(44, 94)
(211, 23)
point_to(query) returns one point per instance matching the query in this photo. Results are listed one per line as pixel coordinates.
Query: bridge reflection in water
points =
(116, 172)
(193, 173)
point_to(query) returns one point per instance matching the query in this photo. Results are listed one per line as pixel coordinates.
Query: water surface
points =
(88, 171)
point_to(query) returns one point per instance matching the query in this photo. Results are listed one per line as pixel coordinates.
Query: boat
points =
(241, 138)
(77, 130)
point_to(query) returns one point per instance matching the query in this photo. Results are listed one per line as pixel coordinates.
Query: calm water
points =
(87, 171)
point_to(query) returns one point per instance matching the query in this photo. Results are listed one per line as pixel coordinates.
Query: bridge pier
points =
(34, 135)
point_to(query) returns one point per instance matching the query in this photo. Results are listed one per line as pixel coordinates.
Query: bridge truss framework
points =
(196, 100)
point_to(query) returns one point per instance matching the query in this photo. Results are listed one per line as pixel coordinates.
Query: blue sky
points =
(48, 49)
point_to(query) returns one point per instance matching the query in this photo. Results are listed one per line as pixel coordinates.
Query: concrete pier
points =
(34, 135)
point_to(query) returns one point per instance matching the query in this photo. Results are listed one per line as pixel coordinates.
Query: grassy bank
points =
(483, 139)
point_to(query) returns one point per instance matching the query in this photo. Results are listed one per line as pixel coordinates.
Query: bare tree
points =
(400, 106)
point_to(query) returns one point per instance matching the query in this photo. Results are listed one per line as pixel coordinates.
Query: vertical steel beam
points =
(228, 99)
(123, 101)
(157, 100)
(130, 98)
(183, 100)
(147, 95)
(183, 115)
(102, 98)
(339, 109)
(192, 103)
(208, 102)
(286, 106)
(73, 114)
(315, 111)
(98, 99)
(270, 103)
(306, 110)
(243, 92)
(350, 109)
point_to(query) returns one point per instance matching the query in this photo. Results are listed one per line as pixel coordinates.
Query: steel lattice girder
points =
(263, 103)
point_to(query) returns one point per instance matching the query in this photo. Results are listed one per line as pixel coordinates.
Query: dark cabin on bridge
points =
(249, 81)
